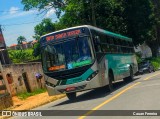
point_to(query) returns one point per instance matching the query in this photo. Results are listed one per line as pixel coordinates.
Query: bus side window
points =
(124, 46)
(97, 44)
(129, 47)
(110, 43)
(105, 47)
(116, 45)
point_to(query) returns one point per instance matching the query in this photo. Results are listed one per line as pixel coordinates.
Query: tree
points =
(44, 5)
(36, 51)
(137, 19)
(106, 14)
(20, 41)
(155, 44)
(46, 26)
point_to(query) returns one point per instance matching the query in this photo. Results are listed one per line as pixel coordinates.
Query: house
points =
(145, 50)
(24, 45)
(13, 46)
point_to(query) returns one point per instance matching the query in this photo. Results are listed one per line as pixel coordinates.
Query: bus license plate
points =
(70, 88)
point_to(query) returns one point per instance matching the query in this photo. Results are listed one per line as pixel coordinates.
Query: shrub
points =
(156, 65)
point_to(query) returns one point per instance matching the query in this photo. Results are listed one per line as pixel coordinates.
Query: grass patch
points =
(25, 95)
(156, 62)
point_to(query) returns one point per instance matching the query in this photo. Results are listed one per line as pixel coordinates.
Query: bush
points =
(138, 57)
(156, 65)
(155, 62)
(19, 56)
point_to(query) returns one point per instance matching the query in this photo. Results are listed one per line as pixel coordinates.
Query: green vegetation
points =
(21, 39)
(19, 56)
(46, 26)
(138, 19)
(138, 57)
(155, 62)
(25, 95)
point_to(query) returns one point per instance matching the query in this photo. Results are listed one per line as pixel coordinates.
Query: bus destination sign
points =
(63, 35)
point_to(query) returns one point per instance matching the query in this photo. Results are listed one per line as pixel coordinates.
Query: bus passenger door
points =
(103, 71)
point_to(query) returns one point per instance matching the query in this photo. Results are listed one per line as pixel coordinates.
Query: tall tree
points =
(139, 16)
(155, 44)
(44, 5)
(106, 14)
(134, 18)
(21, 39)
(46, 26)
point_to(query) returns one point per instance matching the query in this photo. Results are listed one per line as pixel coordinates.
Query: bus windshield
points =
(69, 54)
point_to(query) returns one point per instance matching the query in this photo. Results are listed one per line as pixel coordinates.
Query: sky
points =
(12, 15)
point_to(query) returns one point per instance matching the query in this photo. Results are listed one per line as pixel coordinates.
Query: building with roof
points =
(24, 45)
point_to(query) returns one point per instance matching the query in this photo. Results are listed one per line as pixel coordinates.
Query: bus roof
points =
(96, 29)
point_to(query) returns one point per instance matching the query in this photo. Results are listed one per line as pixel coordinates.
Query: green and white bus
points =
(85, 57)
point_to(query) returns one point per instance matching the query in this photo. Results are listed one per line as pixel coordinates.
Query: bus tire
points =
(71, 96)
(131, 74)
(110, 78)
(129, 78)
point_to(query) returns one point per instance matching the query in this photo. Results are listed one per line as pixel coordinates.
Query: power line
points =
(20, 23)
(25, 22)
(11, 10)
(15, 10)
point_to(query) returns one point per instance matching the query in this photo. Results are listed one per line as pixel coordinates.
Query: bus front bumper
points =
(76, 87)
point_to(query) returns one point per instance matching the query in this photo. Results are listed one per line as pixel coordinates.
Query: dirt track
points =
(33, 101)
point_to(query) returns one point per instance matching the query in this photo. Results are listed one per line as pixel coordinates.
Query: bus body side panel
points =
(120, 64)
(113, 61)
(80, 83)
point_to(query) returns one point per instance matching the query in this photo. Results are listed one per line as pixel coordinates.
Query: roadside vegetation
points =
(155, 62)
(25, 95)
(21, 56)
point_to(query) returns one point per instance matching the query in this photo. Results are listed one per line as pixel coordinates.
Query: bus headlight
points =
(92, 75)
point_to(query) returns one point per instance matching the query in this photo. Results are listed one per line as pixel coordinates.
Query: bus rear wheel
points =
(129, 78)
(71, 96)
(110, 85)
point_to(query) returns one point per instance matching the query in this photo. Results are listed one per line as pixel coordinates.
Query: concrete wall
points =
(5, 101)
(14, 76)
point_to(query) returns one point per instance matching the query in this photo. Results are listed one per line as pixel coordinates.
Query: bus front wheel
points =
(71, 96)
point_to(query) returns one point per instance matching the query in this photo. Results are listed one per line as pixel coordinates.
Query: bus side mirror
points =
(97, 40)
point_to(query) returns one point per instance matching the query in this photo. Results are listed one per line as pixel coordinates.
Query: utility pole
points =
(93, 14)
(2, 42)
(3, 51)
